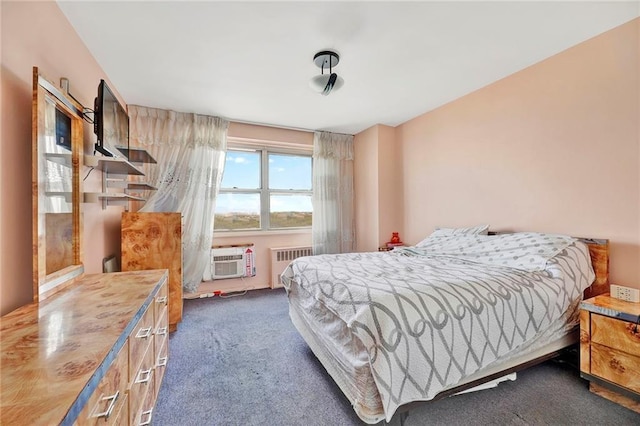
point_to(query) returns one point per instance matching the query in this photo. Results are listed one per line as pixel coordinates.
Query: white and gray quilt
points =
(430, 316)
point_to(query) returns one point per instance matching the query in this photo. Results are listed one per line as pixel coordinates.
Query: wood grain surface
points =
(615, 333)
(60, 348)
(616, 366)
(615, 397)
(599, 253)
(610, 348)
(154, 241)
(58, 241)
(46, 94)
(112, 390)
(585, 341)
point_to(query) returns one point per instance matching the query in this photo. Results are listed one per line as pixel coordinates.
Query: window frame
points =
(264, 191)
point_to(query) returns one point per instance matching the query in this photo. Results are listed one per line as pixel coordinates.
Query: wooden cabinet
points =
(86, 355)
(610, 349)
(154, 241)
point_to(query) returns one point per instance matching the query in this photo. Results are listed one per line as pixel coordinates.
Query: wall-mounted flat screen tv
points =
(111, 123)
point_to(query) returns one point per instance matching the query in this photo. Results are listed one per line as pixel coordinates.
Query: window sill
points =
(256, 233)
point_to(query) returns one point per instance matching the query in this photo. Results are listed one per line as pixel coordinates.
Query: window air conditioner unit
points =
(233, 261)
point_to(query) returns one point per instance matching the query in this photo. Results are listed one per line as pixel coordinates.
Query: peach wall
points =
(38, 34)
(365, 183)
(390, 178)
(378, 187)
(552, 148)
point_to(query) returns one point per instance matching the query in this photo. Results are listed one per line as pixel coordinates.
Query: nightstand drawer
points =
(610, 349)
(615, 333)
(616, 367)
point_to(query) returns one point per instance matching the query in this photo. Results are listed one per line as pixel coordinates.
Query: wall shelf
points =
(136, 155)
(141, 186)
(110, 197)
(120, 182)
(112, 165)
(116, 172)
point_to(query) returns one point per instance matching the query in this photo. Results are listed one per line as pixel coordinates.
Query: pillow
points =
(446, 232)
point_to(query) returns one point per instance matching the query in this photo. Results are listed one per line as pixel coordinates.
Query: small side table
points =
(610, 349)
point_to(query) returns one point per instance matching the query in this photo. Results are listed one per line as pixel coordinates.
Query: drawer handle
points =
(147, 413)
(162, 300)
(143, 376)
(112, 403)
(162, 362)
(161, 331)
(143, 333)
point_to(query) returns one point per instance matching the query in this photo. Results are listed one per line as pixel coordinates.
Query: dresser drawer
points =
(144, 414)
(161, 332)
(616, 366)
(122, 417)
(162, 356)
(141, 384)
(108, 401)
(615, 333)
(139, 341)
(161, 302)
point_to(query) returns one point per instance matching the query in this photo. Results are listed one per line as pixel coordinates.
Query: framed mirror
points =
(56, 151)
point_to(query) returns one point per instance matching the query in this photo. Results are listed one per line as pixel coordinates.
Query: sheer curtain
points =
(190, 152)
(332, 228)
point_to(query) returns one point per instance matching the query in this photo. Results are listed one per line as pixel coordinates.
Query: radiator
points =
(281, 257)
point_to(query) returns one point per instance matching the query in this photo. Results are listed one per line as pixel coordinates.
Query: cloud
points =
(237, 159)
(280, 169)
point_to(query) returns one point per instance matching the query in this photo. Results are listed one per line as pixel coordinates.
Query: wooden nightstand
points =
(610, 349)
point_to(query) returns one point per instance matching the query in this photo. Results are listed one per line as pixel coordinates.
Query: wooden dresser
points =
(154, 241)
(610, 349)
(94, 353)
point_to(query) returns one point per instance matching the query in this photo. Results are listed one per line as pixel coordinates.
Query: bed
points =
(458, 309)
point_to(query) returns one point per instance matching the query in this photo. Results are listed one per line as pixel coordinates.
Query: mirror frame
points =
(46, 284)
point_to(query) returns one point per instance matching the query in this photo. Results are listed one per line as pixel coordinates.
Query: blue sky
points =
(242, 170)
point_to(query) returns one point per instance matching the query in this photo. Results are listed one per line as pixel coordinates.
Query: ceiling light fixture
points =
(325, 83)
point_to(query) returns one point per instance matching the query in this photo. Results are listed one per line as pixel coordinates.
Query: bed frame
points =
(599, 252)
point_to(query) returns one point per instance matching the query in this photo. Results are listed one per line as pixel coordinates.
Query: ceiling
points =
(252, 61)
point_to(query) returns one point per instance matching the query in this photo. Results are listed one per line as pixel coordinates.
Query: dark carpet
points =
(240, 361)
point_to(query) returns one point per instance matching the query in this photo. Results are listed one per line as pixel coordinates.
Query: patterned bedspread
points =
(431, 315)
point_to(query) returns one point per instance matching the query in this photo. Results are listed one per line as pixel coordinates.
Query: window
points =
(264, 190)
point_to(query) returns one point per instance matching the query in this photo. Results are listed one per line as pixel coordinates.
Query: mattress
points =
(362, 314)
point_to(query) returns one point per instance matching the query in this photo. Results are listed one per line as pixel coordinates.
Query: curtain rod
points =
(298, 129)
(253, 123)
